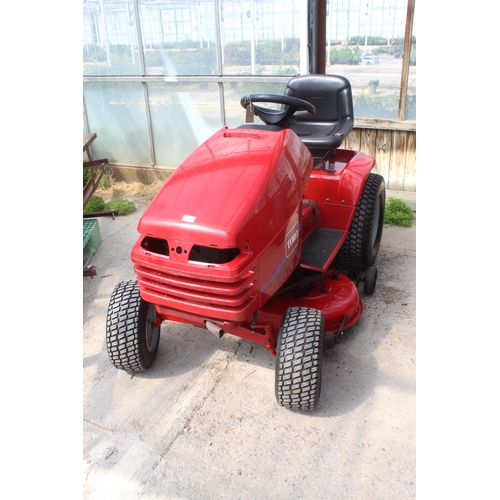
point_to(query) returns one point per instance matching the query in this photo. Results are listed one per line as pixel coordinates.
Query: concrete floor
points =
(203, 422)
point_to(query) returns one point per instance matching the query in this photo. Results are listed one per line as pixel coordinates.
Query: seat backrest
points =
(330, 94)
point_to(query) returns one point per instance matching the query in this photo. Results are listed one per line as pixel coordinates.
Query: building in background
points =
(161, 76)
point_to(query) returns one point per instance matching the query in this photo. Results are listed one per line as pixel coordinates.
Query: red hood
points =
(238, 183)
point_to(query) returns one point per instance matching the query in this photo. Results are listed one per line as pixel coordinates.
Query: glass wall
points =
(183, 115)
(110, 38)
(117, 113)
(260, 37)
(233, 92)
(160, 76)
(365, 42)
(179, 37)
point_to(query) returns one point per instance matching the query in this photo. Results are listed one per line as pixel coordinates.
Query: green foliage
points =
(288, 70)
(397, 51)
(187, 57)
(370, 105)
(123, 207)
(153, 58)
(94, 53)
(184, 58)
(388, 49)
(377, 40)
(191, 62)
(269, 52)
(260, 88)
(411, 107)
(345, 55)
(398, 213)
(373, 83)
(413, 55)
(184, 44)
(97, 204)
(266, 52)
(237, 53)
(371, 40)
(87, 174)
(121, 60)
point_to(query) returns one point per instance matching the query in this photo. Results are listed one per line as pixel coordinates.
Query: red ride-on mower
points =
(264, 232)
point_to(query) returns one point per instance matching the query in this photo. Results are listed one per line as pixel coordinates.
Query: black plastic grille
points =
(155, 245)
(213, 255)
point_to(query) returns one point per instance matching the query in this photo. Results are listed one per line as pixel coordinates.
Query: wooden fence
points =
(394, 152)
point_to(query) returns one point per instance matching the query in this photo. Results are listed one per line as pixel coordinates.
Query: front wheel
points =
(299, 358)
(360, 248)
(132, 332)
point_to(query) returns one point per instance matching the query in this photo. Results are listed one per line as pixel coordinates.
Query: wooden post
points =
(406, 59)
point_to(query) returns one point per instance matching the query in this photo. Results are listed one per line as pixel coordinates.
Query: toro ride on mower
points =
(264, 232)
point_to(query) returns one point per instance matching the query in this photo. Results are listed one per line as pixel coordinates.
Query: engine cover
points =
(223, 234)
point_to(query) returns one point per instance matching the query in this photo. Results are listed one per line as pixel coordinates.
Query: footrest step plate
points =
(319, 247)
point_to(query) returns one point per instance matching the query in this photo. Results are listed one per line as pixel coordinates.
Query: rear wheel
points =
(370, 280)
(299, 358)
(132, 336)
(360, 248)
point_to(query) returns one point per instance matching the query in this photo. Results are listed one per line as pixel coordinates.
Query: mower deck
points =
(336, 295)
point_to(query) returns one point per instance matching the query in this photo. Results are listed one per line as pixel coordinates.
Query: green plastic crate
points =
(91, 239)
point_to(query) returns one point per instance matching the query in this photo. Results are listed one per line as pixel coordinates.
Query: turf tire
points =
(131, 341)
(360, 248)
(299, 358)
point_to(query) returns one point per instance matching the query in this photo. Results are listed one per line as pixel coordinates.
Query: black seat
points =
(331, 95)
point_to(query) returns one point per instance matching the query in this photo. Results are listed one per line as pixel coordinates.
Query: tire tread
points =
(299, 358)
(356, 252)
(123, 326)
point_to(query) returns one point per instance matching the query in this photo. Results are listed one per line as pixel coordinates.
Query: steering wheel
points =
(278, 117)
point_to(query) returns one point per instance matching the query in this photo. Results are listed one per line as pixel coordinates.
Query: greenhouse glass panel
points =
(110, 44)
(183, 115)
(179, 37)
(365, 44)
(261, 37)
(116, 112)
(233, 92)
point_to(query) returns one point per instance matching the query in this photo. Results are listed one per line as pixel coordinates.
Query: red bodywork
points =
(220, 241)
